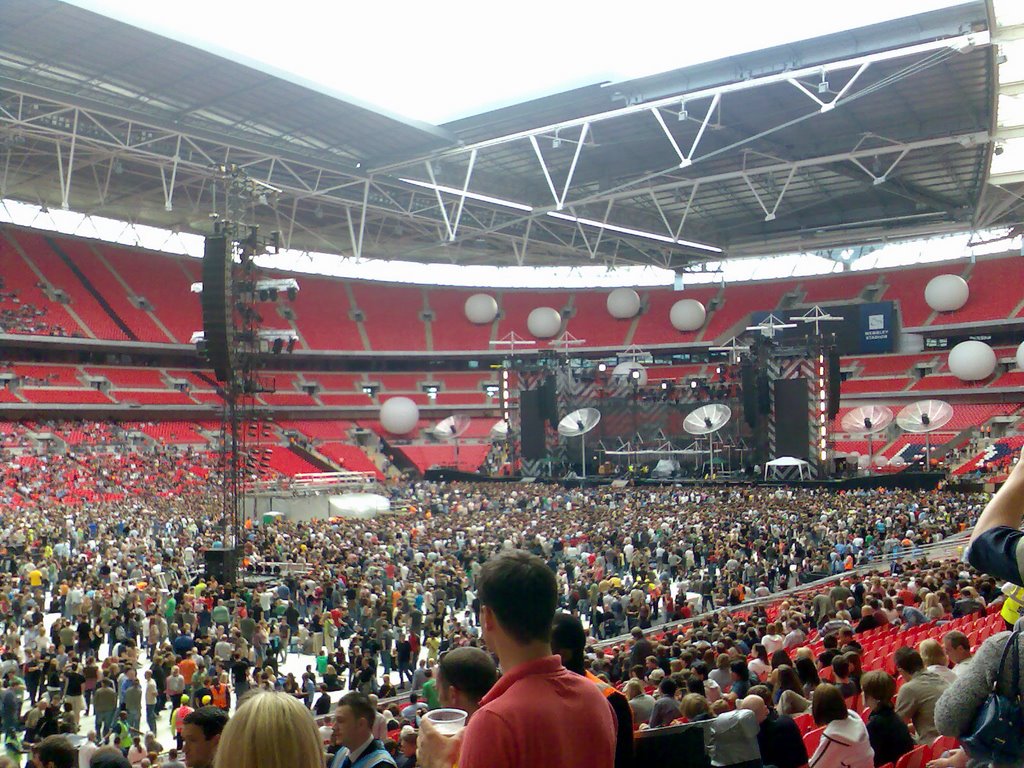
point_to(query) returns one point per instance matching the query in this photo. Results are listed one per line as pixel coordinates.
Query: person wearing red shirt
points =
(538, 713)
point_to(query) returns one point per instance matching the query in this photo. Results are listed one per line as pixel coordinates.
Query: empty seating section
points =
(151, 397)
(461, 398)
(912, 447)
(836, 288)
(653, 326)
(740, 301)
(55, 396)
(888, 365)
(1013, 379)
(458, 381)
(449, 329)
(7, 396)
(333, 429)
(132, 378)
(295, 399)
(946, 381)
(861, 386)
(375, 426)
(355, 400)
(906, 287)
(967, 415)
(469, 457)
(335, 382)
(592, 323)
(392, 316)
(284, 381)
(322, 315)
(398, 382)
(48, 375)
(350, 457)
(285, 461)
(163, 282)
(850, 446)
(24, 307)
(989, 298)
(479, 429)
(170, 432)
(106, 285)
(59, 275)
(516, 308)
(195, 379)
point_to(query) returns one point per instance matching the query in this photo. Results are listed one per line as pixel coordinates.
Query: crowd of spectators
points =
(396, 604)
(21, 317)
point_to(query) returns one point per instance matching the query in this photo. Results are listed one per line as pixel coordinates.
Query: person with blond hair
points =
(270, 730)
(935, 659)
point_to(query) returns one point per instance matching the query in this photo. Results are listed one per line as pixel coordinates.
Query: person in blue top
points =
(353, 730)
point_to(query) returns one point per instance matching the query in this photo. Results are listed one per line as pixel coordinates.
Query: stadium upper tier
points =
(58, 285)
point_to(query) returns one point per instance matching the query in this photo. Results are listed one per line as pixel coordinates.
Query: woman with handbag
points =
(982, 707)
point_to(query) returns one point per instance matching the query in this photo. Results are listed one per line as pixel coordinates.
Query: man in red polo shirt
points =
(538, 713)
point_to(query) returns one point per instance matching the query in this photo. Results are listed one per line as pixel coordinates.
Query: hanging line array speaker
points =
(218, 329)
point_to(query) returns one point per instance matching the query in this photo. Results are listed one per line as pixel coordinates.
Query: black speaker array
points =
(834, 380)
(748, 384)
(531, 424)
(218, 330)
(221, 564)
(764, 393)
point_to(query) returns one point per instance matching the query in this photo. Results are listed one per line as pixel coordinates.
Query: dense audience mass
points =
(113, 546)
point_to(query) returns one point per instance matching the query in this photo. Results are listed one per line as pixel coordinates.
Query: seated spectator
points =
(935, 660)
(808, 675)
(640, 701)
(740, 680)
(921, 689)
(666, 707)
(958, 649)
(841, 677)
(406, 748)
(787, 692)
(711, 690)
(831, 645)
(890, 737)
(722, 673)
(778, 737)
(759, 665)
(695, 708)
(844, 742)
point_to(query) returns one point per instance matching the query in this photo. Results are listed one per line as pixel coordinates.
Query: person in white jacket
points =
(844, 742)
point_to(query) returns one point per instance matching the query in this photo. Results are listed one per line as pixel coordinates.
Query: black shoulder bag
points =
(997, 733)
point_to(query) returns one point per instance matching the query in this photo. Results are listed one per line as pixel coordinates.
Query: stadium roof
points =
(871, 135)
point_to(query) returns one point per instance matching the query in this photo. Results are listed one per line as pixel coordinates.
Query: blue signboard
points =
(877, 334)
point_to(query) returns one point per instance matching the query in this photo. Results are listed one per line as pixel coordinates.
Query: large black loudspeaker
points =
(218, 330)
(764, 393)
(748, 384)
(531, 425)
(834, 380)
(221, 564)
(549, 402)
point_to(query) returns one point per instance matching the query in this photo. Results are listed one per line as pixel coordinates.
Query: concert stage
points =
(917, 481)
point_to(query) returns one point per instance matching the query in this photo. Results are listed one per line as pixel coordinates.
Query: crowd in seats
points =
(170, 432)
(24, 306)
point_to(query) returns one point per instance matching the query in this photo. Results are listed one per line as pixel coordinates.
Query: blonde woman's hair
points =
(270, 730)
(932, 653)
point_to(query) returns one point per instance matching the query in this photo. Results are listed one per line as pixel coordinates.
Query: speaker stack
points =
(218, 328)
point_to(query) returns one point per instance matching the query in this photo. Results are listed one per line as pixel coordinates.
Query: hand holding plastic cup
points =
(446, 721)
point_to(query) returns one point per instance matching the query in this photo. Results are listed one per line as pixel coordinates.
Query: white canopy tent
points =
(786, 461)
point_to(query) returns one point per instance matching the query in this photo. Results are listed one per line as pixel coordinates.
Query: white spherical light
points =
(399, 415)
(1020, 356)
(625, 371)
(687, 315)
(972, 360)
(623, 303)
(481, 308)
(946, 293)
(544, 322)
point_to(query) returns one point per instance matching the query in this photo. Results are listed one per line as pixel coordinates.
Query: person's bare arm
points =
(1006, 507)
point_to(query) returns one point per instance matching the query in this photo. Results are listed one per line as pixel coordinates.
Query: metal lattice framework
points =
(863, 137)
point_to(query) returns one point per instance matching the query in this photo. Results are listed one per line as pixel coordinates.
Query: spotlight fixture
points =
(602, 367)
(693, 385)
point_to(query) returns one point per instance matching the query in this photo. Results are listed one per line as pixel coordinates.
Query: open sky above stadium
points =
(439, 62)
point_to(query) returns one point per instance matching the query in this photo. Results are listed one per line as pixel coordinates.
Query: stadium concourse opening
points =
(704, 520)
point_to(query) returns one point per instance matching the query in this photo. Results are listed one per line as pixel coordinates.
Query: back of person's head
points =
(878, 685)
(569, 640)
(841, 667)
(908, 660)
(700, 668)
(668, 687)
(211, 720)
(108, 757)
(501, 586)
(56, 752)
(740, 669)
(806, 670)
(468, 670)
(765, 693)
(633, 689)
(694, 704)
(831, 642)
(756, 705)
(270, 730)
(827, 704)
(932, 653)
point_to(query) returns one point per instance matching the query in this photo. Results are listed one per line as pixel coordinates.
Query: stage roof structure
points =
(872, 135)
